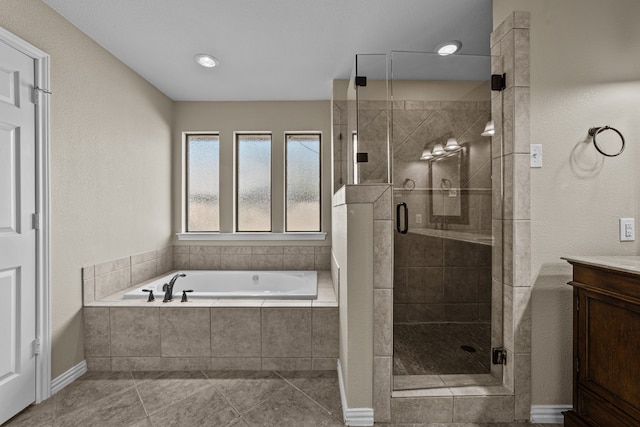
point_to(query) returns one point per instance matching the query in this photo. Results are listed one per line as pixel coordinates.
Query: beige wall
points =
(585, 72)
(277, 117)
(110, 163)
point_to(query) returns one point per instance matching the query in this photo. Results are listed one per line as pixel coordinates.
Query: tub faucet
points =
(168, 287)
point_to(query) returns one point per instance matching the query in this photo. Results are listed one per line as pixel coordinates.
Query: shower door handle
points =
(399, 227)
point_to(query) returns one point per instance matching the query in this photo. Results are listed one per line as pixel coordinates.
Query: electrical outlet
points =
(627, 229)
(418, 218)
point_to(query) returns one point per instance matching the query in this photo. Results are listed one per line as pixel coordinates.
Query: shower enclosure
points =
(417, 120)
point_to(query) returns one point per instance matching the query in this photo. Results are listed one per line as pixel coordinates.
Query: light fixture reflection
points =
(426, 154)
(438, 150)
(489, 129)
(452, 145)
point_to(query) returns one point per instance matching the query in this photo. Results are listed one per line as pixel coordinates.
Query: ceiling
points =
(270, 50)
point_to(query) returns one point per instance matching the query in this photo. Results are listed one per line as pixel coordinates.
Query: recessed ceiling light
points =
(206, 60)
(448, 48)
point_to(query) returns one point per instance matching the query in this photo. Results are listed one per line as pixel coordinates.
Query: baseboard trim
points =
(548, 414)
(353, 416)
(68, 377)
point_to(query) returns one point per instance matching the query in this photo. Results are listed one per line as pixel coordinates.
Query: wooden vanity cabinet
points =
(606, 347)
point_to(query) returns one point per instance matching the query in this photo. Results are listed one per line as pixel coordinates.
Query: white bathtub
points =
(235, 284)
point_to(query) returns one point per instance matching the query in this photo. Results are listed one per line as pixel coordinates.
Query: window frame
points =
(286, 171)
(228, 231)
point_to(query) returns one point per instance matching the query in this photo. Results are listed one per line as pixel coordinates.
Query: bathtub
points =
(235, 284)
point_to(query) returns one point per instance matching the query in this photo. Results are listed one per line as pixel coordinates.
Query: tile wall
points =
(440, 280)
(195, 257)
(219, 338)
(101, 280)
(510, 56)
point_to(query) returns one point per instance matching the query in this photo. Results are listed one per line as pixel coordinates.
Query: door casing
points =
(43, 269)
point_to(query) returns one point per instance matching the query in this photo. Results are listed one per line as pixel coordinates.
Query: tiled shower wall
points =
(440, 280)
(107, 278)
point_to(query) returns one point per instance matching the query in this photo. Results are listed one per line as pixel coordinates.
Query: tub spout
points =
(168, 287)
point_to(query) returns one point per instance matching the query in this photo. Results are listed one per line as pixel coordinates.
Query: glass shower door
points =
(442, 171)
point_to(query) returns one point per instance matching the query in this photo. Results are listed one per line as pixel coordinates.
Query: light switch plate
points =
(536, 155)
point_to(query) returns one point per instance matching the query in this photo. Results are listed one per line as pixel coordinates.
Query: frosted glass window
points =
(203, 196)
(303, 183)
(253, 177)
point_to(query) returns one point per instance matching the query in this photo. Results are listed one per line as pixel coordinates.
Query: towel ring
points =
(593, 132)
(445, 185)
(409, 184)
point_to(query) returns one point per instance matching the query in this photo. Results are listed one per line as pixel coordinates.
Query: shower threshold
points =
(448, 385)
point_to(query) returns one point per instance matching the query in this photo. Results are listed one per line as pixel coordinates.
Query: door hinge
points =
(36, 94)
(35, 221)
(36, 346)
(577, 364)
(498, 82)
(577, 302)
(499, 356)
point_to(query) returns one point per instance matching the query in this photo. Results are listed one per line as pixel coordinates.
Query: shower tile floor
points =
(436, 348)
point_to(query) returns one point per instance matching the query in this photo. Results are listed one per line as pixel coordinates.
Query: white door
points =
(17, 234)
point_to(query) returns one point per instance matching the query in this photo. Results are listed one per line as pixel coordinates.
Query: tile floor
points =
(435, 348)
(193, 398)
(200, 398)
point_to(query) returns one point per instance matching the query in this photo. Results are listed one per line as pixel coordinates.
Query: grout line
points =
(135, 385)
(306, 395)
(222, 394)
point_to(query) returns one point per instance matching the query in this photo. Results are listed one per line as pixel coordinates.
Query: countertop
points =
(627, 264)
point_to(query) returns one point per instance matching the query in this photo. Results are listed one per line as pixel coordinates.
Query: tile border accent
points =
(68, 377)
(353, 416)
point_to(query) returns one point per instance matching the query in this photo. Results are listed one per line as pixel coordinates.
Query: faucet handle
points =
(151, 297)
(184, 295)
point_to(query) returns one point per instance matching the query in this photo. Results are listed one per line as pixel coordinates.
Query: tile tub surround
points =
(101, 280)
(219, 334)
(194, 257)
(109, 277)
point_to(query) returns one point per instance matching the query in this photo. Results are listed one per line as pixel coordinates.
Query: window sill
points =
(252, 236)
